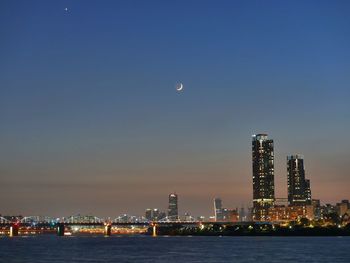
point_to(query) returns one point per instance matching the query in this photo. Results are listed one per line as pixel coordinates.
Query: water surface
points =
(174, 249)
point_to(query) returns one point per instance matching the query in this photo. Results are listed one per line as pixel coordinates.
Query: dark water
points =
(174, 249)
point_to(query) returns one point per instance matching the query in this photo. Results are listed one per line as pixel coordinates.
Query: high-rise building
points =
(155, 214)
(218, 209)
(263, 176)
(173, 213)
(299, 192)
(148, 214)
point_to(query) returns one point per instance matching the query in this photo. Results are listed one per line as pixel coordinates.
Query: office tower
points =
(299, 192)
(218, 209)
(155, 214)
(263, 176)
(148, 214)
(173, 213)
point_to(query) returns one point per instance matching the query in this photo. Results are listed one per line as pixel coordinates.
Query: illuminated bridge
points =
(95, 225)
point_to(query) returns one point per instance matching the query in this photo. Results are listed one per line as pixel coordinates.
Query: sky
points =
(91, 122)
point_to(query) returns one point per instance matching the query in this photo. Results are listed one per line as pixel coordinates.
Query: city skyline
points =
(91, 121)
(263, 195)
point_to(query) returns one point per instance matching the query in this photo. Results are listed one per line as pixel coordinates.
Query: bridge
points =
(108, 228)
(60, 226)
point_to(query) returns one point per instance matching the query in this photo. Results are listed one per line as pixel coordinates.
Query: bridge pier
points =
(14, 230)
(108, 229)
(60, 229)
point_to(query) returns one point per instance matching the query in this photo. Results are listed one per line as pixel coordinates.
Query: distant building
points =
(316, 203)
(188, 217)
(223, 214)
(342, 207)
(347, 202)
(218, 209)
(148, 214)
(327, 209)
(200, 218)
(278, 213)
(298, 212)
(125, 218)
(309, 212)
(281, 213)
(249, 214)
(82, 219)
(263, 176)
(162, 216)
(173, 213)
(242, 214)
(299, 192)
(230, 215)
(154, 214)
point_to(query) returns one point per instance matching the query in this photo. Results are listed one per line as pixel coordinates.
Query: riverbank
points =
(251, 230)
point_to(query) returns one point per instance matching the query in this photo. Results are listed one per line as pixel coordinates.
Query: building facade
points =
(148, 214)
(263, 176)
(230, 215)
(299, 192)
(218, 209)
(173, 213)
(342, 207)
(282, 213)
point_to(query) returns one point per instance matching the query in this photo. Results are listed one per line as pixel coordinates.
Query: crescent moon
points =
(179, 87)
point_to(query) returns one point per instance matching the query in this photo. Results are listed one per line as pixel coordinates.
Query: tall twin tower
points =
(299, 192)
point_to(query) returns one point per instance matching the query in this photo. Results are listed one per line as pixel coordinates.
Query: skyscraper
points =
(308, 192)
(173, 213)
(218, 209)
(263, 176)
(155, 214)
(299, 192)
(148, 214)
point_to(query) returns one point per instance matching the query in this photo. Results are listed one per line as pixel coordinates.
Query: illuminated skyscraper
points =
(263, 176)
(155, 214)
(299, 192)
(173, 213)
(218, 209)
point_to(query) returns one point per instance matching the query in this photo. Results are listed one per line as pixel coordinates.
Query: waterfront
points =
(49, 248)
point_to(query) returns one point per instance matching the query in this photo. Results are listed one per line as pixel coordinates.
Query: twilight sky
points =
(90, 121)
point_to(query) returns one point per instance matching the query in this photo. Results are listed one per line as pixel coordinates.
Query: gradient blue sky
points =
(90, 121)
